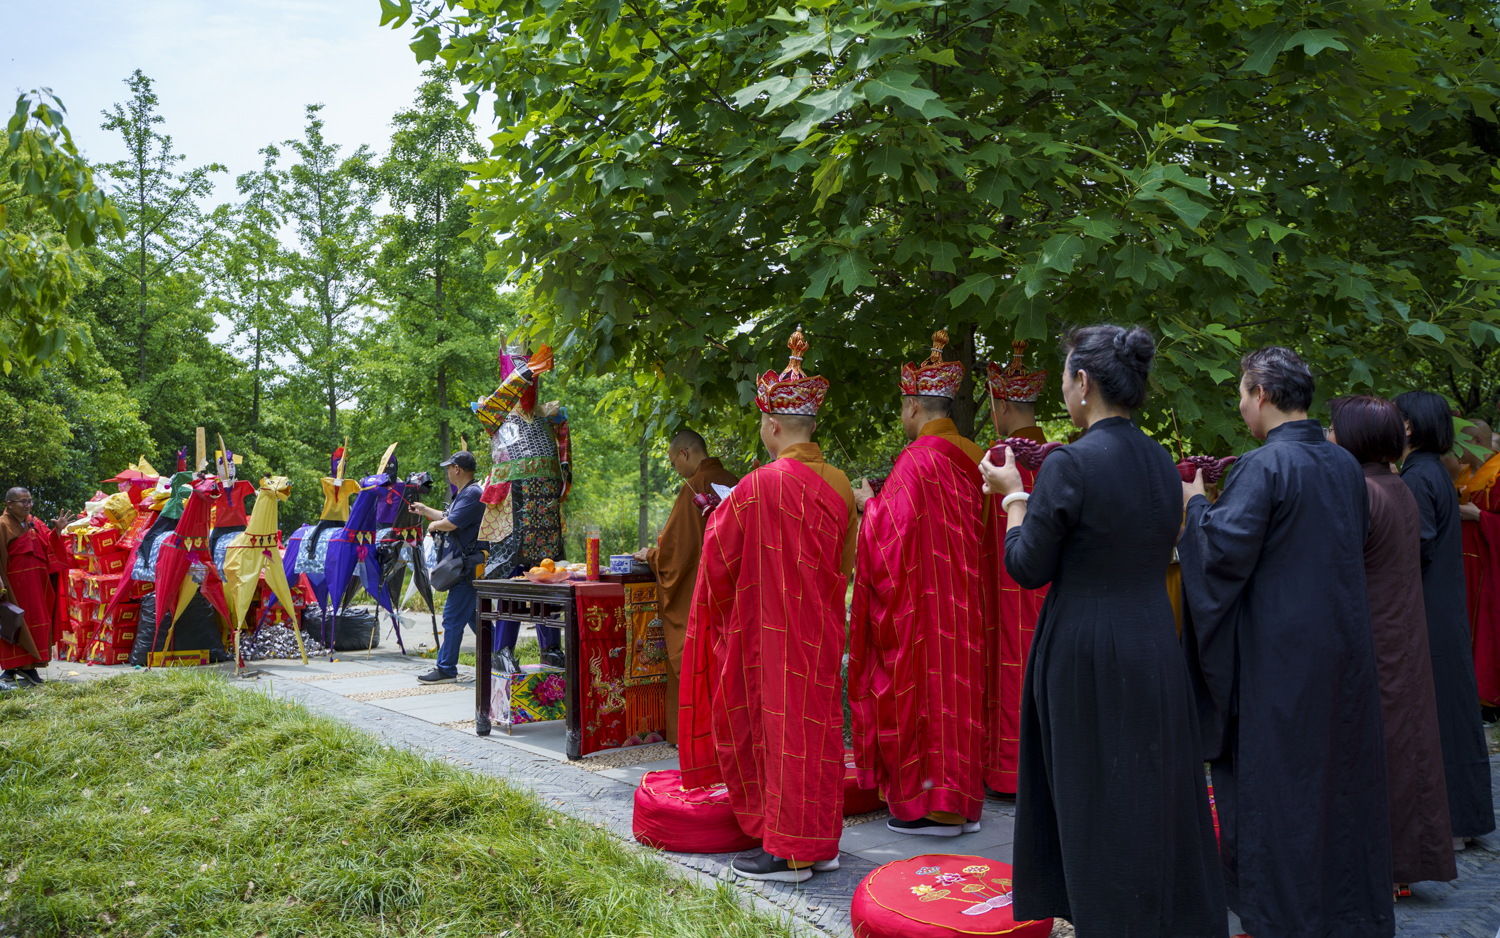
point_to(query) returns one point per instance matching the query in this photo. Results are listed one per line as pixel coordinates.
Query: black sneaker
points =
(29, 676)
(9, 674)
(437, 677)
(763, 865)
(504, 662)
(554, 657)
(922, 827)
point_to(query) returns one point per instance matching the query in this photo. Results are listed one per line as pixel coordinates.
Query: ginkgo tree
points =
(679, 184)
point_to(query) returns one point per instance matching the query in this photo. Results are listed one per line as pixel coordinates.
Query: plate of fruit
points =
(548, 571)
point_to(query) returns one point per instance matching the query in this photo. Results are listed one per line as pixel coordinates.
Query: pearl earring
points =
(1083, 402)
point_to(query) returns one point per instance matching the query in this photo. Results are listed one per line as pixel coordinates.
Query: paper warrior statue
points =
(525, 490)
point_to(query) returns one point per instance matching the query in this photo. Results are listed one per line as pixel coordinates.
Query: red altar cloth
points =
(916, 636)
(762, 710)
(601, 670)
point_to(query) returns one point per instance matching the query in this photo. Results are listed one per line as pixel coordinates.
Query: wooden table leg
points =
(486, 640)
(573, 700)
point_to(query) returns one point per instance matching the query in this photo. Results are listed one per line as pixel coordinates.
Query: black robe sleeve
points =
(1427, 505)
(1218, 549)
(1033, 549)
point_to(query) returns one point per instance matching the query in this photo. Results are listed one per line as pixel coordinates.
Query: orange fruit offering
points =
(548, 564)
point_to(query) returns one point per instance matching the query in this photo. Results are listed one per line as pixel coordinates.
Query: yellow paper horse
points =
(254, 551)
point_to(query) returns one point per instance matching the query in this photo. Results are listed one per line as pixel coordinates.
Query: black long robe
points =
(1277, 629)
(1113, 829)
(1466, 762)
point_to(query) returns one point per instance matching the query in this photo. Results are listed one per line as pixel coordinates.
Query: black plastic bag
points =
(197, 628)
(353, 629)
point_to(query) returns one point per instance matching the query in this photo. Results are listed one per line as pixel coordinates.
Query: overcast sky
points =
(231, 75)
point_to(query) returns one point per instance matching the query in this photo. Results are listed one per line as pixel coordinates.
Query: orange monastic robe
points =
(1010, 615)
(675, 562)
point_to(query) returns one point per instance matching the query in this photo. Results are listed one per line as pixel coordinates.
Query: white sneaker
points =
(826, 866)
(973, 827)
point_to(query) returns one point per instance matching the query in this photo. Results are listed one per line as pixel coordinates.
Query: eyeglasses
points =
(19, 501)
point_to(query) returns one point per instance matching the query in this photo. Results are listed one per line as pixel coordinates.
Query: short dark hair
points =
(1368, 427)
(1117, 360)
(1431, 420)
(797, 423)
(1283, 375)
(933, 405)
(690, 440)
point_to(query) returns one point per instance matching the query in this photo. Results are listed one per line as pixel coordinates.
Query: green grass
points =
(171, 804)
(527, 652)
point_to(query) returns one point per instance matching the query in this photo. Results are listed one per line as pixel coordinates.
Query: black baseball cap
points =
(463, 459)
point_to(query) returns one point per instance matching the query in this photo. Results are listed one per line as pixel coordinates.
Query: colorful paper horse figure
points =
(354, 545)
(253, 553)
(400, 539)
(229, 508)
(185, 565)
(307, 550)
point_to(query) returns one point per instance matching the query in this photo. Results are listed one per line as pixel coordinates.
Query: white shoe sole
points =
(952, 830)
(781, 876)
(973, 827)
(441, 680)
(825, 866)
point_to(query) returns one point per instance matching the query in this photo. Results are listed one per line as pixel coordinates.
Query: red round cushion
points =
(858, 800)
(939, 895)
(686, 821)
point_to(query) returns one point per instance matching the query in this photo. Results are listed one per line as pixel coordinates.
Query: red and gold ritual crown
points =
(934, 377)
(1014, 382)
(792, 391)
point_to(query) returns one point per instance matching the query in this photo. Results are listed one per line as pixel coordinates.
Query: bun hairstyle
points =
(1116, 359)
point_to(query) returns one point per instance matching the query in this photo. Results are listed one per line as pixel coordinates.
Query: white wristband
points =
(1012, 498)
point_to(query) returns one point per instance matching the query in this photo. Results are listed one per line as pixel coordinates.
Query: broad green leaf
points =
(900, 85)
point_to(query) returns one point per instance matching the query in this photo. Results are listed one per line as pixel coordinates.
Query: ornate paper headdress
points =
(792, 391)
(934, 377)
(1014, 382)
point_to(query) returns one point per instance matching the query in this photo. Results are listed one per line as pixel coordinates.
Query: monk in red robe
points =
(1479, 495)
(761, 709)
(30, 555)
(916, 635)
(1010, 612)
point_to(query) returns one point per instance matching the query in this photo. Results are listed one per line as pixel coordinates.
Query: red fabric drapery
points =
(1010, 614)
(916, 636)
(601, 669)
(1482, 576)
(761, 709)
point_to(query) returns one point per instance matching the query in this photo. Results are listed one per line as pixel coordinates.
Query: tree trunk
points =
(961, 348)
(645, 495)
(444, 431)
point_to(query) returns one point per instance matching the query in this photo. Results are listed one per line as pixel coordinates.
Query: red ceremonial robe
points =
(760, 709)
(916, 636)
(33, 556)
(1482, 576)
(1010, 617)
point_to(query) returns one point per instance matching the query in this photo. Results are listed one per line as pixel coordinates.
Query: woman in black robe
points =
(1465, 759)
(1371, 429)
(1277, 627)
(1113, 830)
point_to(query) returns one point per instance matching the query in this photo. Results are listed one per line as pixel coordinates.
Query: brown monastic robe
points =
(674, 560)
(1421, 841)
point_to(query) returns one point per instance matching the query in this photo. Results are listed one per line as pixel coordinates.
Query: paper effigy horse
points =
(400, 542)
(307, 549)
(255, 552)
(354, 545)
(185, 564)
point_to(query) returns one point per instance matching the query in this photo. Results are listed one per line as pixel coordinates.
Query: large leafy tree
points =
(683, 182)
(50, 209)
(165, 224)
(328, 201)
(435, 351)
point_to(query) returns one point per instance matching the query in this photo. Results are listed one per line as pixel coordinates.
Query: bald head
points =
(689, 440)
(1478, 436)
(16, 494)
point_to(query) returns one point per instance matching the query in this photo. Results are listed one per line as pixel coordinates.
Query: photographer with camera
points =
(461, 524)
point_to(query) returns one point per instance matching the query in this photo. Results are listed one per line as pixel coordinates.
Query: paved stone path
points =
(361, 691)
